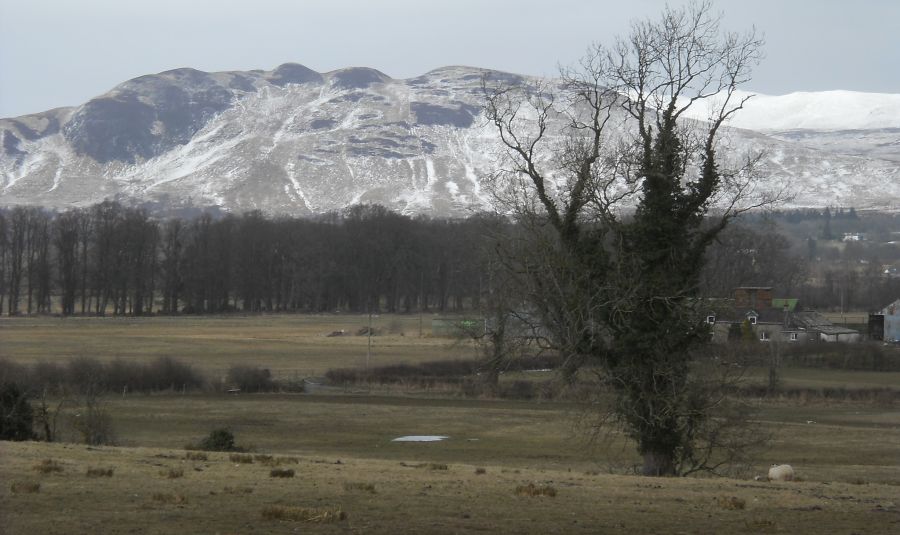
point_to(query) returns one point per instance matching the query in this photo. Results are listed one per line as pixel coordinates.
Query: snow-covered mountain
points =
(293, 140)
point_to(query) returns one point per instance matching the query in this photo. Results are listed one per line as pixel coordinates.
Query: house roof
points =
(725, 311)
(791, 303)
(730, 313)
(886, 311)
(814, 321)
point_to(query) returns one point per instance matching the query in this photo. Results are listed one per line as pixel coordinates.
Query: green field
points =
(847, 454)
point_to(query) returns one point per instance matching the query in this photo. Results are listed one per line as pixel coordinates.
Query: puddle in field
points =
(420, 438)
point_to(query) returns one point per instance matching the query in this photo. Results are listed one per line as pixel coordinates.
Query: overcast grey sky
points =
(63, 52)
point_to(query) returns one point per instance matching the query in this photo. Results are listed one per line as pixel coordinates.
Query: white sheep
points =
(781, 472)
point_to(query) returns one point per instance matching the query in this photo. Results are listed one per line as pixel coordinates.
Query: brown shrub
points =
(364, 487)
(240, 458)
(196, 456)
(280, 472)
(317, 515)
(533, 490)
(48, 466)
(172, 473)
(24, 487)
(732, 503)
(169, 498)
(99, 472)
(268, 460)
(238, 490)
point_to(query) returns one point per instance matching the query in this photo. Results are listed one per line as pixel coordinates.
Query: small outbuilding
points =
(885, 324)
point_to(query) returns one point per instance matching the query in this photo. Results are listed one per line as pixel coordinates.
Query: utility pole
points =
(369, 341)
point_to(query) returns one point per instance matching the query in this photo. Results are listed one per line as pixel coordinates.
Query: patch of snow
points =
(421, 438)
(429, 172)
(820, 110)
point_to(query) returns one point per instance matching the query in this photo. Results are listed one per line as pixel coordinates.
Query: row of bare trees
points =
(113, 259)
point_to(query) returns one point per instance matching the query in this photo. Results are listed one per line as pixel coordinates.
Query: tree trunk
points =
(658, 464)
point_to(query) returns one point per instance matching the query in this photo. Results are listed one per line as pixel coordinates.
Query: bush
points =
(518, 390)
(12, 372)
(250, 379)
(427, 374)
(94, 423)
(16, 415)
(281, 472)
(86, 375)
(91, 377)
(218, 440)
(167, 373)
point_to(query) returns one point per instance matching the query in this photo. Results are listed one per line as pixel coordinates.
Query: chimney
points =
(755, 297)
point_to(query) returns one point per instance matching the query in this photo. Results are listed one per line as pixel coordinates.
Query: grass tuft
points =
(162, 497)
(533, 490)
(48, 466)
(240, 458)
(172, 473)
(238, 490)
(732, 503)
(99, 472)
(358, 486)
(480, 471)
(316, 515)
(196, 456)
(24, 487)
(281, 472)
(268, 460)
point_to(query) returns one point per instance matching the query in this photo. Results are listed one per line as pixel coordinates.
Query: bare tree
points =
(618, 289)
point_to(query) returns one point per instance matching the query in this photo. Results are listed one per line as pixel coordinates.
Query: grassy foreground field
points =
(289, 345)
(339, 445)
(847, 457)
(218, 495)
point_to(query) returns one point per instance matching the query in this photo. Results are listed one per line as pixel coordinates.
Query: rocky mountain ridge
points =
(296, 141)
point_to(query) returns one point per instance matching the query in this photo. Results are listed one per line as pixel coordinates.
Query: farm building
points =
(753, 312)
(885, 324)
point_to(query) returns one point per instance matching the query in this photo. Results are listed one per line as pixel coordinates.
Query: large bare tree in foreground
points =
(617, 288)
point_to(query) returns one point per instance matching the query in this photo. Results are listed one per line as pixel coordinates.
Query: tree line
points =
(120, 260)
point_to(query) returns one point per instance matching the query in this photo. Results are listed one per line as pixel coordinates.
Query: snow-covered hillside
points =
(296, 141)
(824, 110)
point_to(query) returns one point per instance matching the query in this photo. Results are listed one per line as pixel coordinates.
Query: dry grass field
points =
(379, 496)
(493, 475)
(288, 345)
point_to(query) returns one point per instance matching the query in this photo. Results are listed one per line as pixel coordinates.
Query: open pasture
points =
(343, 457)
(339, 444)
(289, 345)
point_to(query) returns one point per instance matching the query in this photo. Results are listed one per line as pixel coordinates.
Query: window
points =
(794, 337)
(752, 320)
(764, 336)
(711, 320)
